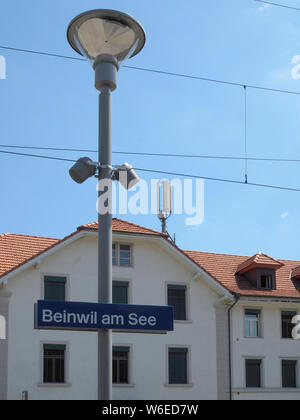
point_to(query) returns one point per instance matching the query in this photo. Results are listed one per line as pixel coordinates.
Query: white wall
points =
(271, 348)
(154, 267)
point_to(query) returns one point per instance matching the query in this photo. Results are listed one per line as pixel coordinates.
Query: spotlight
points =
(83, 169)
(126, 175)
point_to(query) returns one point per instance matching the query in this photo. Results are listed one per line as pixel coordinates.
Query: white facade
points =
(155, 265)
(271, 348)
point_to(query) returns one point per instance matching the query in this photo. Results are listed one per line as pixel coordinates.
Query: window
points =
(120, 292)
(54, 363)
(289, 373)
(114, 255)
(177, 298)
(266, 282)
(122, 255)
(286, 323)
(55, 288)
(120, 365)
(178, 359)
(125, 255)
(252, 323)
(253, 373)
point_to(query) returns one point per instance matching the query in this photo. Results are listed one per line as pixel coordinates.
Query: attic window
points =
(266, 281)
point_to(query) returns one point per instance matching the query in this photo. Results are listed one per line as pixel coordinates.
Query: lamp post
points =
(106, 38)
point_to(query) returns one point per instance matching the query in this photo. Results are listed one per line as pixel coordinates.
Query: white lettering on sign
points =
(68, 318)
(112, 320)
(134, 319)
(91, 318)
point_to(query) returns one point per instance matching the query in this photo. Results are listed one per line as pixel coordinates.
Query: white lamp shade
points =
(99, 32)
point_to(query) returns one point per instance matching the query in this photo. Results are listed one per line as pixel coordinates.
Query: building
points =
(265, 359)
(206, 357)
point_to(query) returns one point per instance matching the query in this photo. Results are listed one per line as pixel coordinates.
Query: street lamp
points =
(106, 38)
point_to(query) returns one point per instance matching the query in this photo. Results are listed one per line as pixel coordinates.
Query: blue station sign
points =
(95, 316)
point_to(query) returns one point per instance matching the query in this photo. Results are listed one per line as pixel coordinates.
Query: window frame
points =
(126, 281)
(269, 281)
(118, 245)
(130, 383)
(66, 382)
(187, 300)
(260, 322)
(127, 351)
(254, 358)
(116, 254)
(271, 273)
(188, 366)
(296, 360)
(281, 322)
(63, 275)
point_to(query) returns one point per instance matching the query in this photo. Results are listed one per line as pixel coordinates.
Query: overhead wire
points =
(152, 154)
(162, 172)
(166, 73)
(278, 5)
(246, 158)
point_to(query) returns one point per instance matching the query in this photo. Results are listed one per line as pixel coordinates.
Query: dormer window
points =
(266, 281)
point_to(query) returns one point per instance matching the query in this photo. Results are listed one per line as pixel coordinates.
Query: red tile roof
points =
(16, 250)
(223, 268)
(119, 225)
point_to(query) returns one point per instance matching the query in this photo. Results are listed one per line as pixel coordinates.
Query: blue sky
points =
(48, 101)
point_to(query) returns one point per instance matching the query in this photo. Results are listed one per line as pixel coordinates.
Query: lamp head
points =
(103, 31)
(127, 176)
(83, 169)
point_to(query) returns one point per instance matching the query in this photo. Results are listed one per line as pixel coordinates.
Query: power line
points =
(166, 73)
(218, 179)
(37, 156)
(167, 173)
(42, 53)
(277, 4)
(171, 155)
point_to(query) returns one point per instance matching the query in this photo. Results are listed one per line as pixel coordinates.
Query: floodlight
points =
(126, 175)
(83, 169)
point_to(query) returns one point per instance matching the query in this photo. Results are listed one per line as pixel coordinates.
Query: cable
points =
(218, 179)
(205, 79)
(154, 154)
(60, 149)
(37, 156)
(166, 73)
(167, 173)
(42, 53)
(277, 4)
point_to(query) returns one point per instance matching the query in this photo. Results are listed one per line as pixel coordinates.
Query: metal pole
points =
(105, 248)
(106, 68)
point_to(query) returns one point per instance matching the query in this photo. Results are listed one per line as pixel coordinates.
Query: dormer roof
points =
(259, 260)
(295, 273)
